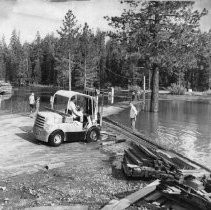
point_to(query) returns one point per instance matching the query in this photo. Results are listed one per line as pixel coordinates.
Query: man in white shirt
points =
(72, 109)
(31, 102)
(133, 114)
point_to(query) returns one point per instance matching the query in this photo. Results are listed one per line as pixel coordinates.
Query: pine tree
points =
(2, 63)
(69, 34)
(16, 54)
(36, 59)
(162, 31)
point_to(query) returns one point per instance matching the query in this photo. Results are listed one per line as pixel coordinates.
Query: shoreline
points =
(185, 97)
(88, 175)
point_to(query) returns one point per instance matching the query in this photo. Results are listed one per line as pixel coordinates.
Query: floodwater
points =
(18, 101)
(182, 125)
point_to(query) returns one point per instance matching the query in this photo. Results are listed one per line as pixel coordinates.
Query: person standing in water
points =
(133, 114)
(31, 102)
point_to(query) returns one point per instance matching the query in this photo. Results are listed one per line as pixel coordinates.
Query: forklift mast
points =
(94, 109)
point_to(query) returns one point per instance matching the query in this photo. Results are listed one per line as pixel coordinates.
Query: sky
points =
(45, 16)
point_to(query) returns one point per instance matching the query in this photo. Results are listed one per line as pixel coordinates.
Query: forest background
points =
(147, 36)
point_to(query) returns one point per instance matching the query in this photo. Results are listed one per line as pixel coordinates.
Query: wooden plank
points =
(153, 196)
(133, 158)
(198, 173)
(130, 199)
(146, 151)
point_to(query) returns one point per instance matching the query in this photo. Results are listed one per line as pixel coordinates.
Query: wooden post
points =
(112, 95)
(101, 111)
(70, 73)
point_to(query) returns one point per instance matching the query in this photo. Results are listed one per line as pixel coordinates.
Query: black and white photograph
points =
(105, 104)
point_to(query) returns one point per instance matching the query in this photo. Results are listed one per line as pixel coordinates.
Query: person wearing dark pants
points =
(31, 102)
(133, 114)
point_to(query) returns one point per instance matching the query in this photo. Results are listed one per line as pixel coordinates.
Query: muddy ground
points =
(34, 174)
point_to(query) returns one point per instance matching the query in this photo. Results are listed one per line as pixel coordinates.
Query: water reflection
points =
(181, 125)
(18, 101)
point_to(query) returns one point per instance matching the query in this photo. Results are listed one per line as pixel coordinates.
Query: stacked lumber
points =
(181, 185)
(142, 162)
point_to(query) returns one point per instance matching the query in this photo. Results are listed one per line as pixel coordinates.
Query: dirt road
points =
(20, 152)
(35, 174)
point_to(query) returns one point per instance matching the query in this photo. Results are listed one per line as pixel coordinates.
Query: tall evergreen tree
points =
(16, 54)
(48, 61)
(162, 31)
(69, 34)
(36, 59)
(2, 63)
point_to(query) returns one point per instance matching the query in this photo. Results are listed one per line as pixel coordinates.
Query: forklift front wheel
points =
(56, 138)
(93, 134)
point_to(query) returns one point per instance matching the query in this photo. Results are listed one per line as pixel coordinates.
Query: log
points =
(140, 155)
(133, 158)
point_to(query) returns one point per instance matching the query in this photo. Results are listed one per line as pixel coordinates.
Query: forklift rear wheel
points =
(93, 134)
(56, 138)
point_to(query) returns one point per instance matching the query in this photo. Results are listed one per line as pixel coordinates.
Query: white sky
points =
(45, 16)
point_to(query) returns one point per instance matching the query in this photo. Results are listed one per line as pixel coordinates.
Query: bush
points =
(176, 89)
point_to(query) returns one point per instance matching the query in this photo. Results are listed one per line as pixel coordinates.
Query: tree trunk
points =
(70, 73)
(155, 90)
(85, 75)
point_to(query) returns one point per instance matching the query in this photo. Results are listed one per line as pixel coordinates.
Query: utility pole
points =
(27, 68)
(85, 74)
(144, 92)
(70, 73)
